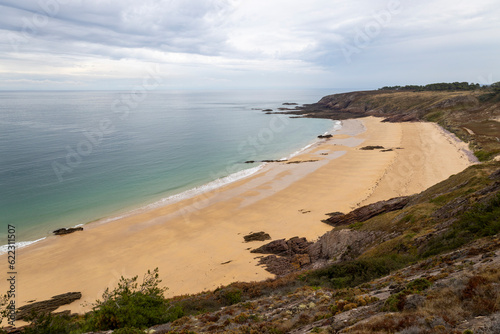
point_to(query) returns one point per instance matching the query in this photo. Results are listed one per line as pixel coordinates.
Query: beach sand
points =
(190, 240)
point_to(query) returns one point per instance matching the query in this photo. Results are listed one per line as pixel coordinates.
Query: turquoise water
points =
(68, 158)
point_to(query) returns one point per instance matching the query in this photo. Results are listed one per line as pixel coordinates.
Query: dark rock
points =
(290, 104)
(300, 161)
(325, 136)
(288, 255)
(281, 266)
(267, 110)
(368, 211)
(47, 306)
(258, 236)
(63, 231)
(273, 160)
(277, 247)
(277, 265)
(369, 148)
(284, 247)
(388, 150)
(249, 162)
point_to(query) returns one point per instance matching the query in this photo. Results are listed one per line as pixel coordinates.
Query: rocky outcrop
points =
(366, 212)
(343, 244)
(288, 255)
(258, 236)
(325, 136)
(47, 306)
(296, 253)
(284, 247)
(64, 231)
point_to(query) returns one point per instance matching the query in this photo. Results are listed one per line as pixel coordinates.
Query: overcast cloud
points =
(111, 44)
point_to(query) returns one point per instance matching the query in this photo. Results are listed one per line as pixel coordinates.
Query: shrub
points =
(355, 272)
(418, 285)
(47, 323)
(483, 155)
(231, 296)
(396, 302)
(133, 306)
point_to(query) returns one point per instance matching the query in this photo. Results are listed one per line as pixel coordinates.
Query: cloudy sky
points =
(202, 44)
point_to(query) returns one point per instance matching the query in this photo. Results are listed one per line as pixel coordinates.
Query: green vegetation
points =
(231, 296)
(128, 308)
(480, 220)
(131, 306)
(442, 86)
(355, 272)
(51, 324)
(482, 155)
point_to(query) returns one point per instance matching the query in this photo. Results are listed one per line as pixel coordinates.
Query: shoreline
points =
(190, 240)
(212, 185)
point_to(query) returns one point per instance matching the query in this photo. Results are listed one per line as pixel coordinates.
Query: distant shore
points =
(198, 244)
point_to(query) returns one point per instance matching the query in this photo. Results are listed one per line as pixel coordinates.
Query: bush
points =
(133, 306)
(396, 302)
(482, 155)
(418, 285)
(46, 323)
(231, 296)
(353, 273)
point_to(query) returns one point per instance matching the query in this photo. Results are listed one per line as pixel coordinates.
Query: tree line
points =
(442, 86)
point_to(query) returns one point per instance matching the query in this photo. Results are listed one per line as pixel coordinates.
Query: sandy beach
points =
(197, 243)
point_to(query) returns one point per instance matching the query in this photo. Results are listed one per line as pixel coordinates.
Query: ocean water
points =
(68, 158)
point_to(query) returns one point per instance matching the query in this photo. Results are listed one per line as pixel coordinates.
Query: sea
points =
(72, 157)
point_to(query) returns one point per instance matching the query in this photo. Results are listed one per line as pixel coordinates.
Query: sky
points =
(246, 44)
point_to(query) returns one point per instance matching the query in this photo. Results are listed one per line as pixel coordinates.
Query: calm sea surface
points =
(67, 158)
